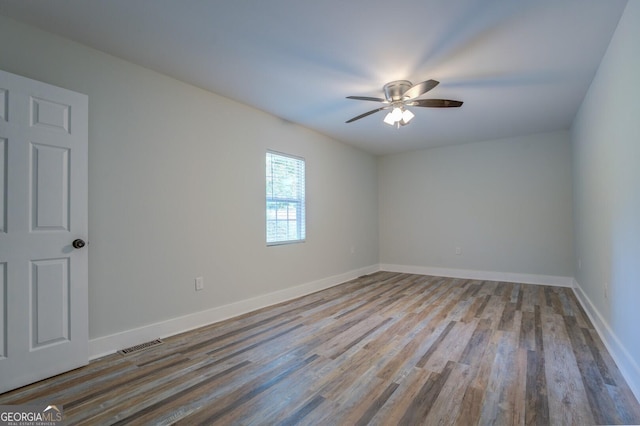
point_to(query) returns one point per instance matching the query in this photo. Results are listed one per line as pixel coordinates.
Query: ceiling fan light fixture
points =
(407, 116)
(398, 116)
(389, 119)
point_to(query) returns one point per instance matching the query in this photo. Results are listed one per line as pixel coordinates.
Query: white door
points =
(43, 209)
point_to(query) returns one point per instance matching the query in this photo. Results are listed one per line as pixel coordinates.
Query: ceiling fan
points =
(400, 94)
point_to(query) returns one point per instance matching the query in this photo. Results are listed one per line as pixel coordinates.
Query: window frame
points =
(301, 200)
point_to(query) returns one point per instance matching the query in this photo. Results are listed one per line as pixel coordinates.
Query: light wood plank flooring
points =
(383, 349)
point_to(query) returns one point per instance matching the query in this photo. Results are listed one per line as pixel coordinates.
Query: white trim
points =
(552, 280)
(625, 362)
(106, 345)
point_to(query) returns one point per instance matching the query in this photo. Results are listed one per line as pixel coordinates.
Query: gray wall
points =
(606, 157)
(176, 189)
(505, 203)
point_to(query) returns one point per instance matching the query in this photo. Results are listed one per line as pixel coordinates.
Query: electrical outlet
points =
(199, 283)
(458, 251)
(353, 249)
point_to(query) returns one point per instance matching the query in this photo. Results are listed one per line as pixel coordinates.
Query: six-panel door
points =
(43, 209)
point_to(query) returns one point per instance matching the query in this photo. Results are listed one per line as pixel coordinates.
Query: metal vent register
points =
(140, 347)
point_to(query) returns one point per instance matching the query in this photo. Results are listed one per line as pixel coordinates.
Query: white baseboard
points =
(625, 362)
(551, 280)
(106, 345)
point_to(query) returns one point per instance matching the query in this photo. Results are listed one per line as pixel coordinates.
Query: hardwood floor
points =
(383, 349)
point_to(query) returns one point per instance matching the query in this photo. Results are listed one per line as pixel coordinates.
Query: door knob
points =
(78, 244)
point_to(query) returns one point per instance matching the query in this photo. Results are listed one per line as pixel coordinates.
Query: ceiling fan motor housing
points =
(395, 90)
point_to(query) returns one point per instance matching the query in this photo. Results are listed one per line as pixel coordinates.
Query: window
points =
(285, 199)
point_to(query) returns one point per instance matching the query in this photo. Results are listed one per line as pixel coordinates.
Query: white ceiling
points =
(520, 66)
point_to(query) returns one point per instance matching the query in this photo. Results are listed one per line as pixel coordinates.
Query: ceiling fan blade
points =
(366, 114)
(366, 98)
(420, 89)
(435, 103)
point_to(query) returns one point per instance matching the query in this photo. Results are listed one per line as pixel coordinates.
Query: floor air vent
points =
(140, 347)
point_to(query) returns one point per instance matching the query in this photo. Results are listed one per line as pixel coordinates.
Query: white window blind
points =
(285, 199)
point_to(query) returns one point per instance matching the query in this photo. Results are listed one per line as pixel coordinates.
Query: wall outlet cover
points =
(199, 283)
